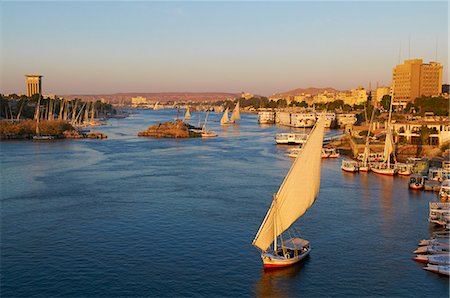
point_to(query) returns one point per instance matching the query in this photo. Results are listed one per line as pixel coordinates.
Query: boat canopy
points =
(295, 243)
(298, 191)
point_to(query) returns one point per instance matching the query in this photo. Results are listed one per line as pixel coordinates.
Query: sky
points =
(259, 47)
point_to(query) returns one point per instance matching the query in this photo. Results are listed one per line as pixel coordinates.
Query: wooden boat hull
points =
(444, 270)
(272, 261)
(385, 172)
(364, 169)
(349, 169)
(416, 186)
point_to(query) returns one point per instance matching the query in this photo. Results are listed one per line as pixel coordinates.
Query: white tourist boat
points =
(291, 138)
(225, 120)
(348, 165)
(295, 196)
(235, 115)
(266, 117)
(416, 181)
(443, 259)
(444, 192)
(441, 269)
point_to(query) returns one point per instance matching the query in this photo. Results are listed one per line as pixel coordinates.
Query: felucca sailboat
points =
(187, 116)
(235, 115)
(225, 120)
(295, 196)
(385, 167)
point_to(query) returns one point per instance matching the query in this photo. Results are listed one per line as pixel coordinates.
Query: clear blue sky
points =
(260, 47)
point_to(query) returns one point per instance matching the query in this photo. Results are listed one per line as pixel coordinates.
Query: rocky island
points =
(177, 129)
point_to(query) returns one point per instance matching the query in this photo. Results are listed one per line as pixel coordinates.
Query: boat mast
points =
(275, 236)
(389, 126)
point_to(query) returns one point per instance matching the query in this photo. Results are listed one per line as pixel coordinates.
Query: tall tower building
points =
(34, 84)
(414, 78)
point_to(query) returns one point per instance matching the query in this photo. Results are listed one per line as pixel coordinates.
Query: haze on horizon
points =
(259, 47)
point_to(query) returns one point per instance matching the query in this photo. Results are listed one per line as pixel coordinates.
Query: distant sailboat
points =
(207, 133)
(156, 106)
(295, 196)
(235, 115)
(225, 120)
(187, 116)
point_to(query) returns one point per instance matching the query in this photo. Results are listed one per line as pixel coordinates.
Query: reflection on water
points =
(273, 281)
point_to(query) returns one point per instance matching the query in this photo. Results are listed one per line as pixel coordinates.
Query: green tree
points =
(386, 102)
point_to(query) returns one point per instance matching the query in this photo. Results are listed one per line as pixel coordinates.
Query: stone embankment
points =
(177, 129)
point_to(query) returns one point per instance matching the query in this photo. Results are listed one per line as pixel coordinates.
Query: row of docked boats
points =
(439, 213)
(325, 153)
(435, 252)
(297, 138)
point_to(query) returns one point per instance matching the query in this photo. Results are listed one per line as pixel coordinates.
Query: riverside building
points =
(414, 78)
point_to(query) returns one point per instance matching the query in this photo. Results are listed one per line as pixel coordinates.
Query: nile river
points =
(130, 216)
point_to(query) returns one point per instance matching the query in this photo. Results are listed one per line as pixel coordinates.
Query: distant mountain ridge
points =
(309, 90)
(157, 96)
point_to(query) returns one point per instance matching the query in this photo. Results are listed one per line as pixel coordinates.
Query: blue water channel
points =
(131, 216)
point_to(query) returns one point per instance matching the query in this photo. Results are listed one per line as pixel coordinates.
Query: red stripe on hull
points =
(349, 171)
(280, 265)
(420, 260)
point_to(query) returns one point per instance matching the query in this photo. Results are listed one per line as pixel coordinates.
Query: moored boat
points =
(443, 259)
(296, 195)
(349, 166)
(441, 269)
(416, 181)
(444, 192)
(291, 138)
(330, 153)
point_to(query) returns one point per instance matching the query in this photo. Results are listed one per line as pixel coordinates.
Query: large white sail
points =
(298, 191)
(388, 146)
(235, 115)
(225, 119)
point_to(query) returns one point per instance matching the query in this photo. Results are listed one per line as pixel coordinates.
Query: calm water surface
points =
(131, 216)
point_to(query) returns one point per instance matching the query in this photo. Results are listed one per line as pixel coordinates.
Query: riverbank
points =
(56, 129)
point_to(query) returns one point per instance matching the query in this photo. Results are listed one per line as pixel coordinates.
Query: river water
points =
(130, 216)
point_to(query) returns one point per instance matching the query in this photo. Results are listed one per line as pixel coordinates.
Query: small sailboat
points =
(295, 196)
(385, 167)
(225, 120)
(207, 133)
(235, 115)
(187, 116)
(364, 165)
